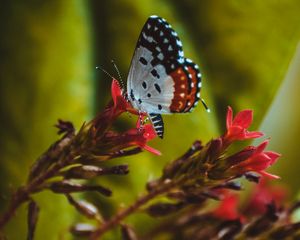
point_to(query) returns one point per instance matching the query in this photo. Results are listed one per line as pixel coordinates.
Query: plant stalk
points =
(115, 220)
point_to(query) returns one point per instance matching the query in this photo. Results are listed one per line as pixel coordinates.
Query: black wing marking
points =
(158, 37)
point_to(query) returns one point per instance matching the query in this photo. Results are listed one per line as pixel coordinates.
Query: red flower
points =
(264, 194)
(107, 142)
(228, 208)
(258, 161)
(141, 135)
(120, 103)
(237, 126)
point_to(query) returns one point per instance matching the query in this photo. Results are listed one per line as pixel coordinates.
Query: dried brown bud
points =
(230, 185)
(196, 146)
(88, 171)
(150, 186)
(65, 127)
(285, 231)
(82, 229)
(32, 218)
(123, 153)
(195, 199)
(263, 223)
(182, 163)
(239, 156)
(211, 194)
(214, 150)
(128, 233)
(83, 172)
(294, 207)
(49, 157)
(179, 195)
(162, 209)
(71, 187)
(229, 229)
(252, 177)
(85, 208)
(118, 170)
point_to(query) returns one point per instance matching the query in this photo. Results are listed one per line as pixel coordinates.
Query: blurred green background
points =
(247, 51)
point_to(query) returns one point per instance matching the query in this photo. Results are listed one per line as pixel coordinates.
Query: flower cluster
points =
(265, 216)
(251, 158)
(97, 138)
(204, 172)
(80, 156)
(207, 172)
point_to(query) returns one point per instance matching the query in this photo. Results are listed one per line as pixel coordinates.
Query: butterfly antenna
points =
(119, 74)
(205, 106)
(103, 70)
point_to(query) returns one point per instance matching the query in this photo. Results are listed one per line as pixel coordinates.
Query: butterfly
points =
(160, 79)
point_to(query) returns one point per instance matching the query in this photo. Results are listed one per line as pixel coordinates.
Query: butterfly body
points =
(161, 80)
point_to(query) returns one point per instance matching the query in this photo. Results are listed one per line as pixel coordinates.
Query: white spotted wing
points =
(160, 79)
(159, 51)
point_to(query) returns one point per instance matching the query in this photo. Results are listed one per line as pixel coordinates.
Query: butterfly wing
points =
(160, 79)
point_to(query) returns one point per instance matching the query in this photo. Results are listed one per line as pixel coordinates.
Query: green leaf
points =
(244, 47)
(282, 125)
(45, 74)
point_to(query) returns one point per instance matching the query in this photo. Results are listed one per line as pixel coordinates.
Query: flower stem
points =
(131, 209)
(23, 193)
(18, 198)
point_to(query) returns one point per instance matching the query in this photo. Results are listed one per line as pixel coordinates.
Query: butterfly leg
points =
(145, 120)
(140, 123)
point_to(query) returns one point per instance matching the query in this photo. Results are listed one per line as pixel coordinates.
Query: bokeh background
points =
(247, 51)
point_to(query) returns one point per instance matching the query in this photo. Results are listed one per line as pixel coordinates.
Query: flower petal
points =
(256, 163)
(229, 117)
(227, 209)
(259, 163)
(243, 118)
(269, 175)
(149, 132)
(262, 146)
(273, 156)
(152, 150)
(115, 91)
(235, 133)
(250, 135)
